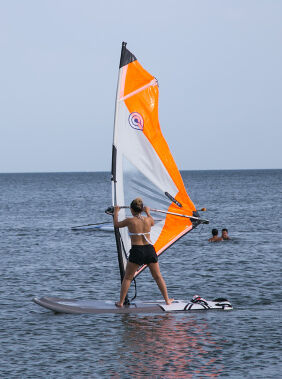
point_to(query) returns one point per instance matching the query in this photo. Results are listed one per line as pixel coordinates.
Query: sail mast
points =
(126, 57)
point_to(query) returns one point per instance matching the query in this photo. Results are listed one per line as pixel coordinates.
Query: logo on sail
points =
(136, 121)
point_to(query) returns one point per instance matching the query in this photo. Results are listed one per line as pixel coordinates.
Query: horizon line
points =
(108, 171)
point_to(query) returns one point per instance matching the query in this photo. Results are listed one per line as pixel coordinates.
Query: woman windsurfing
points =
(142, 250)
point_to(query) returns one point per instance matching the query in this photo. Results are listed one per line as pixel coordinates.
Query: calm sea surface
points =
(41, 255)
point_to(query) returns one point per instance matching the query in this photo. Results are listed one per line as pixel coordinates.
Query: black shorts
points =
(143, 254)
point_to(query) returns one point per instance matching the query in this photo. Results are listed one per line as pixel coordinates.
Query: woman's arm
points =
(119, 224)
(147, 211)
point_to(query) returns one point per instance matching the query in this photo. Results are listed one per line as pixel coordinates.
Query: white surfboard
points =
(108, 306)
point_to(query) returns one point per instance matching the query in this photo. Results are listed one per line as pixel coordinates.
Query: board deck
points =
(108, 306)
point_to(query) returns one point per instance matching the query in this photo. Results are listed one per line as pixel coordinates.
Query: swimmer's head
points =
(224, 233)
(214, 232)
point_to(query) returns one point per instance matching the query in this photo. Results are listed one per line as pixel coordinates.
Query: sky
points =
(218, 64)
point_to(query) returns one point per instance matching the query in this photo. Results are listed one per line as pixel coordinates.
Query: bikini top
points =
(141, 234)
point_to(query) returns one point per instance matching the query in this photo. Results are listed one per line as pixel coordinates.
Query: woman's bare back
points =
(138, 225)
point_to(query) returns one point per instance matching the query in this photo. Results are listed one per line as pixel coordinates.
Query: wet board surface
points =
(108, 306)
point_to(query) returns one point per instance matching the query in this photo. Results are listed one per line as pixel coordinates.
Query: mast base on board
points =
(73, 306)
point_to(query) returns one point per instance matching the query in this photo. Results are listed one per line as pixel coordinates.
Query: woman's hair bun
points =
(137, 205)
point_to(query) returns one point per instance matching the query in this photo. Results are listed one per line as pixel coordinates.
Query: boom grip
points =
(110, 210)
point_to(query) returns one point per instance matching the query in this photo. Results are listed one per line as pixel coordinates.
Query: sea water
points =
(41, 255)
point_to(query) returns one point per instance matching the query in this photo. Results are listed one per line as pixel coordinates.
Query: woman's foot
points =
(169, 301)
(118, 304)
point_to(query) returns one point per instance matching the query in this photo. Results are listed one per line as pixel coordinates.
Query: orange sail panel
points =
(142, 163)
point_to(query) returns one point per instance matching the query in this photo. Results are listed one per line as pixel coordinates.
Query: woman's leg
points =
(156, 274)
(131, 268)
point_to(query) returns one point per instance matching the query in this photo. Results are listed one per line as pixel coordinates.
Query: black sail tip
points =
(126, 56)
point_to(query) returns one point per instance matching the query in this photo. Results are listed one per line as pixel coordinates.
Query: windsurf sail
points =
(142, 164)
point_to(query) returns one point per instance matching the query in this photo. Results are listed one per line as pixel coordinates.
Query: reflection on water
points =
(169, 346)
